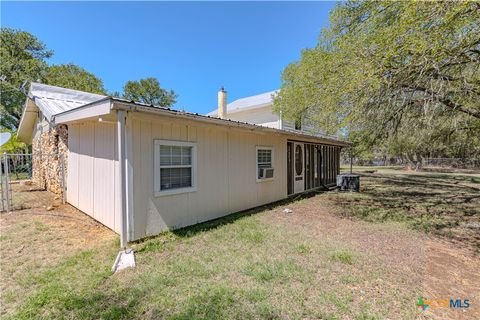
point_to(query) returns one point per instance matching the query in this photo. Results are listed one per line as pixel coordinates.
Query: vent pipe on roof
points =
(222, 103)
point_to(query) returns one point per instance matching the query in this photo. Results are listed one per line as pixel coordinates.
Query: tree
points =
(74, 77)
(22, 59)
(149, 91)
(13, 145)
(392, 71)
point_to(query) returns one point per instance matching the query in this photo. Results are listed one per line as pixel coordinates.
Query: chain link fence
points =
(31, 180)
(460, 163)
(444, 163)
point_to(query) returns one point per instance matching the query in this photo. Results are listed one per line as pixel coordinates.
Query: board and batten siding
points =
(226, 173)
(92, 171)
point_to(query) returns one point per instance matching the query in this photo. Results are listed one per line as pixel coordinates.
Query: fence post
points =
(7, 187)
(62, 168)
(351, 159)
(2, 195)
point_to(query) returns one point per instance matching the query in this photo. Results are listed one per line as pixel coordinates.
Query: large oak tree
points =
(400, 72)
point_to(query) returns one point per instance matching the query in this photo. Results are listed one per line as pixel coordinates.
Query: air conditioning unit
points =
(266, 173)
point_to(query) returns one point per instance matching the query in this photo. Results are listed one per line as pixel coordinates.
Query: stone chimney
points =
(222, 103)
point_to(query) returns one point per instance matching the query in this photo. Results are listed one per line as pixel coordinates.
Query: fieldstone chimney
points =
(222, 103)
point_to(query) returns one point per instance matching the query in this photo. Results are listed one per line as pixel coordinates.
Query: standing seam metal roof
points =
(53, 100)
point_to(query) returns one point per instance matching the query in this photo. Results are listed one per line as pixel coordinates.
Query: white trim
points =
(94, 109)
(156, 167)
(256, 163)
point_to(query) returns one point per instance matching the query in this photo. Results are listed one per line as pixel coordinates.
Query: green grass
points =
(18, 176)
(343, 256)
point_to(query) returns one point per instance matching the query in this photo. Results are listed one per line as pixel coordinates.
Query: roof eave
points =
(27, 121)
(90, 110)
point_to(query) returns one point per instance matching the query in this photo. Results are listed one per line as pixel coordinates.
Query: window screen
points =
(175, 167)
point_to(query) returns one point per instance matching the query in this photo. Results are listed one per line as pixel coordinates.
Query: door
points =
(299, 168)
(290, 168)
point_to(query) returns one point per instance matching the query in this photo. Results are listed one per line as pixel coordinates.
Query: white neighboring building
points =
(258, 110)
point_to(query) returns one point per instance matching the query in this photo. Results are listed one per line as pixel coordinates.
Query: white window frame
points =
(256, 163)
(156, 167)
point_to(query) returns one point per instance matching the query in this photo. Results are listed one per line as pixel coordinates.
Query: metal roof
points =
(52, 100)
(252, 102)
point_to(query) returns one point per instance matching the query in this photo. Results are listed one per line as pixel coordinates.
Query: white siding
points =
(262, 116)
(288, 125)
(92, 167)
(226, 173)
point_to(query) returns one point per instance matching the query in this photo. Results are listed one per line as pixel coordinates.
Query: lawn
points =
(336, 256)
(442, 203)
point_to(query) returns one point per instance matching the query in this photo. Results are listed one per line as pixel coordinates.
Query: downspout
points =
(122, 177)
(125, 258)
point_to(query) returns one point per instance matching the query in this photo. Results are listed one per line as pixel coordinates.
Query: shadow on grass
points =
(73, 289)
(436, 203)
(60, 302)
(191, 231)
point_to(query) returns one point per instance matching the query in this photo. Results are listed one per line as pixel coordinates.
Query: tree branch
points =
(446, 102)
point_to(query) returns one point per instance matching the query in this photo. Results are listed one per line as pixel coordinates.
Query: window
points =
(264, 164)
(175, 167)
(298, 124)
(298, 160)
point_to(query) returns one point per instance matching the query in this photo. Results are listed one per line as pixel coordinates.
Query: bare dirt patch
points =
(26, 195)
(34, 240)
(451, 272)
(390, 251)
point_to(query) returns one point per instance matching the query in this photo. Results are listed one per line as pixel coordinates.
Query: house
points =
(140, 169)
(258, 109)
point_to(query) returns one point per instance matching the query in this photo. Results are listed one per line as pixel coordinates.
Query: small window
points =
(174, 167)
(265, 169)
(298, 124)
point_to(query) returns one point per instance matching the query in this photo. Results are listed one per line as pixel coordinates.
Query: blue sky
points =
(191, 47)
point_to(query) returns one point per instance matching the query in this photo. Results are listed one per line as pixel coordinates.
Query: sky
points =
(193, 48)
